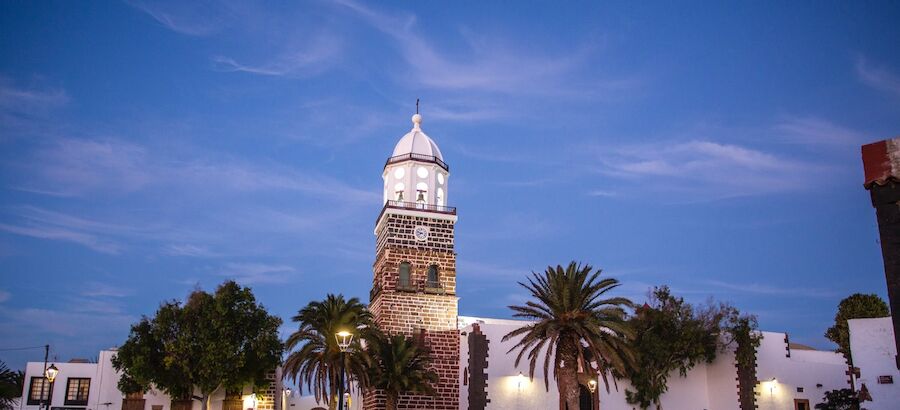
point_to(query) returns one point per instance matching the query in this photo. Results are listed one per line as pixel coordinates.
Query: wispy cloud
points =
(21, 99)
(488, 65)
(307, 59)
(4, 296)
(97, 289)
(258, 273)
(185, 249)
(877, 77)
(195, 18)
(760, 289)
(705, 169)
(62, 234)
(77, 167)
(818, 131)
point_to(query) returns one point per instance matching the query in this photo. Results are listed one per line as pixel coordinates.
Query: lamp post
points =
(344, 338)
(50, 374)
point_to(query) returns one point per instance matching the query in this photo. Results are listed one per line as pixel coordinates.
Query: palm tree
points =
(399, 365)
(10, 386)
(576, 324)
(315, 357)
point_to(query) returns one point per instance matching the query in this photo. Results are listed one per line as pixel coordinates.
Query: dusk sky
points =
(147, 149)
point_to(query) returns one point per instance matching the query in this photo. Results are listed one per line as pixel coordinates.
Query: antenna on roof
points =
(417, 105)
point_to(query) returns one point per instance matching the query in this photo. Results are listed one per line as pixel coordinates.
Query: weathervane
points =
(417, 105)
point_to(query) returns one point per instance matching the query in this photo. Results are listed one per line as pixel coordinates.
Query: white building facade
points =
(83, 385)
(873, 350)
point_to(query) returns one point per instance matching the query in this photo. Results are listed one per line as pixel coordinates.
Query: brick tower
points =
(414, 287)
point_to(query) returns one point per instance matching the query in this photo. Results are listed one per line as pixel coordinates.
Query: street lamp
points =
(343, 338)
(50, 374)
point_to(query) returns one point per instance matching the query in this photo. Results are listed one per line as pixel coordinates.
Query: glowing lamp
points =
(592, 386)
(344, 338)
(51, 373)
(520, 380)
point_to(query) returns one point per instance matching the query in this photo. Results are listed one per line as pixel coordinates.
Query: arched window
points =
(434, 280)
(403, 280)
(440, 196)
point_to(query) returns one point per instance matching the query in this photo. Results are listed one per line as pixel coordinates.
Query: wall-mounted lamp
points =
(592, 385)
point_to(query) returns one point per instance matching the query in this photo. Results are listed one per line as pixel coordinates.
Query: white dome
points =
(416, 142)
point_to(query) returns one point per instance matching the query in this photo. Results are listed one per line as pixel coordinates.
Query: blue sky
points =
(149, 148)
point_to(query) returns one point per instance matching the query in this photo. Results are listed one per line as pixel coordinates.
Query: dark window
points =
(38, 391)
(77, 390)
(403, 281)
(433, 277)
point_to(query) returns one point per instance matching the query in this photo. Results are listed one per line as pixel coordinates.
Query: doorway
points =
(585, 399)
(801, 404)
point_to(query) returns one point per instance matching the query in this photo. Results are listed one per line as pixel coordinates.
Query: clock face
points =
(421, 233)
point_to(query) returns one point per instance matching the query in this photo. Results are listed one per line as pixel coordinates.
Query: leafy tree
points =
(221, 340)
(673, 335)
(315, 358)
(670, 335)
(11, 384)
(843, 399)
(855, 306)
(397, 365)
(571, 308)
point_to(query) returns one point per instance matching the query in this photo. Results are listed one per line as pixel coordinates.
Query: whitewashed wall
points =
(104, 392)
(804, 369)
(873, 350)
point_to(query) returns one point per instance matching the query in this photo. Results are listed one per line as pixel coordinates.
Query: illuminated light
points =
(592, 386)
(343, 338)
(51, 373)
(520, 381)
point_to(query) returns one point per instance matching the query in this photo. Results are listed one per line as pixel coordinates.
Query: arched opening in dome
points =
(422, 172)
(399, 173)
(398, 191)
(421, 193)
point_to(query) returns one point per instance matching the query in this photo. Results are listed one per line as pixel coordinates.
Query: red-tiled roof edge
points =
(881, 162)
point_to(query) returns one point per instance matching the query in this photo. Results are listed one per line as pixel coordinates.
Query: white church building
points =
(415, 271)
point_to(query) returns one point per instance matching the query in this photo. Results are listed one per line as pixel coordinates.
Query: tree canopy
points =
(10, 386)
(212, 341)
(315, 357)
(398, 364)
(855, 306)
(576, 321)
(673, 335)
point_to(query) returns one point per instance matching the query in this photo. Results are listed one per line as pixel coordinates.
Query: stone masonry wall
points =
(428, 314)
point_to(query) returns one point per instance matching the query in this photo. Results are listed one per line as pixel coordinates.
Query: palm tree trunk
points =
(390, 402)
(568, 377)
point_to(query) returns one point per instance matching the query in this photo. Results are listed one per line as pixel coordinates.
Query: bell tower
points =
(414, 287)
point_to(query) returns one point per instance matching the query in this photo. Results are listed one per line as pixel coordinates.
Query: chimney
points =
(881, 162)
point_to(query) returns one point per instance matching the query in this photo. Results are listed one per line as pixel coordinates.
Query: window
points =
(403, 281)
(38, 391)
(440, 196)
(433, 277)
(399, 173)
(77, 391)
(440, 178)
(422, 172)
